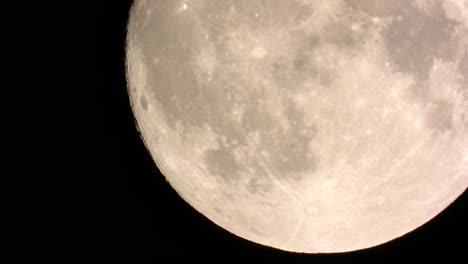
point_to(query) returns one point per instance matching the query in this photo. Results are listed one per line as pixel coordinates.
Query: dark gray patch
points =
(256, 118)
(326, 76)
(414, 41)
(219, 100)
(221, 163)
(307, 70)
(341, 35)
(289, 76)
(440, 116)
(300, 63)
(161, 83)
(304, 67)
(419, 91)
(232, 131)
(379, 7)
(256, 185)
(312, 41)
(289, 152)
(291, 156)
(180, 96)
(172, 79)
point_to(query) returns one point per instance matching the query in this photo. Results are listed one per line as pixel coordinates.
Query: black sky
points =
(86, 188)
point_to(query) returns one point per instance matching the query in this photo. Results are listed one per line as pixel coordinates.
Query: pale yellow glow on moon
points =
(305, 125)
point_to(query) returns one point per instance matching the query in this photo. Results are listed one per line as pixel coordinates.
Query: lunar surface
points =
(305, 125)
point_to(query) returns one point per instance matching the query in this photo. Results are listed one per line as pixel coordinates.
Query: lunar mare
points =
(305, 125)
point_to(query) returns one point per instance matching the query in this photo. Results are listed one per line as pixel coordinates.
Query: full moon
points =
(311, 126)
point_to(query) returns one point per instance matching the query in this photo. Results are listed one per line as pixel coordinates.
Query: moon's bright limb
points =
(305, 125)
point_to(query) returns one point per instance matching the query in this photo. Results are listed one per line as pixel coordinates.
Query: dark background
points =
(79, 183)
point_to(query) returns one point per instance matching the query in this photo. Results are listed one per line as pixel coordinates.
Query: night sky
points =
(83, 185)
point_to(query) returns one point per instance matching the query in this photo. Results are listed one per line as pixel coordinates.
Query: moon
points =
(313, 126)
